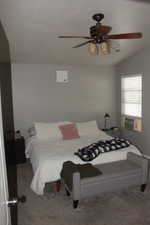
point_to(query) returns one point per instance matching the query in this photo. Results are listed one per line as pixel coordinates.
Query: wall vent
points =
(62, 76)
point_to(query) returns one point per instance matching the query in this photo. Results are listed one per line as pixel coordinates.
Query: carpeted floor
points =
(130, 207)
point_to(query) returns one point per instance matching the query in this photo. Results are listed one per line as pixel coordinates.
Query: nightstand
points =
(113, 131)
(19, 146)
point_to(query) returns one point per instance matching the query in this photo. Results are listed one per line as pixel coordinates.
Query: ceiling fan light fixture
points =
(93, 49)
(105, 48)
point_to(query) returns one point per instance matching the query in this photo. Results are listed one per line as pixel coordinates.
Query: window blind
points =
(131, 96)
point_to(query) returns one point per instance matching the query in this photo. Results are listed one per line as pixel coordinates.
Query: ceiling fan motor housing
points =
(93, 31)
(99, 33)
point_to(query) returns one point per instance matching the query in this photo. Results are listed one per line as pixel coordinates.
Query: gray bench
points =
(115, 176)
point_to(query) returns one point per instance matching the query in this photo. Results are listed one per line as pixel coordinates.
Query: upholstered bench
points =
(115, 176)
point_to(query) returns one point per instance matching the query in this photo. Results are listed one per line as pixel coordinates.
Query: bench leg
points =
(75, 204)
(143, 187)
(67, 192)
(58, 185)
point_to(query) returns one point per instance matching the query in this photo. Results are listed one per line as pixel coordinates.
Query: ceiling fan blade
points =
(125, 36)
(85, 37)
(84, 43)
(141, 1)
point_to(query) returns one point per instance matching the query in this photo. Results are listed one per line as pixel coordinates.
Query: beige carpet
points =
(130, 207)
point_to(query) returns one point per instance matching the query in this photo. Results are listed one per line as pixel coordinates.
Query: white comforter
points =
(47, 157)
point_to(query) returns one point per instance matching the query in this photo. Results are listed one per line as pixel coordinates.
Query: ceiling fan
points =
(99, 35)
(141, 1)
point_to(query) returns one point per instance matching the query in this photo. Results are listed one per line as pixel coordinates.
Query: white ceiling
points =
(32, 27)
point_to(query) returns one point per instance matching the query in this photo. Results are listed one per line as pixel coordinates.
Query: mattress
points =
(47, 157)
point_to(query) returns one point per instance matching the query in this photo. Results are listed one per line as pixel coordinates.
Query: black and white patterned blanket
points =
(90, 152)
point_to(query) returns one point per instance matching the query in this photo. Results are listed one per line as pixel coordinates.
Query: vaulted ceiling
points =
(32, 27)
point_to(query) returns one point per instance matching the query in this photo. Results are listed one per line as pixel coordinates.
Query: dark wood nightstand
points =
(10, 152)
(113, 131)
(19, 146)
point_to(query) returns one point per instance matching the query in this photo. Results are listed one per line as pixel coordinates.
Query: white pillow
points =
(88, 128)
(31, 131)
(48, 130)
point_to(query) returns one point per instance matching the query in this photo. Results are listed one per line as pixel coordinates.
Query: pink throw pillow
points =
(69, 131)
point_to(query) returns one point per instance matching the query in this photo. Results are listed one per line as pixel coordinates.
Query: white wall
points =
(134, 65)
(37, 97)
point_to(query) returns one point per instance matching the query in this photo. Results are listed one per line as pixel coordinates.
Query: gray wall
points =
(37, 97)
(140, 63)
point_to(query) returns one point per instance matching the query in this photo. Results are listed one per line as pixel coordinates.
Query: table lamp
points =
(106, 117)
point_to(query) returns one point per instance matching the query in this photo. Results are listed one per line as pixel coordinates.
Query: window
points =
(131, 102)
(131, 96)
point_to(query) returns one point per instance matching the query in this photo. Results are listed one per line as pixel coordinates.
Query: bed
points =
(47, 156)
